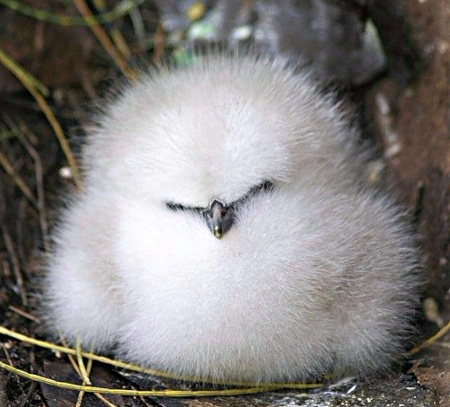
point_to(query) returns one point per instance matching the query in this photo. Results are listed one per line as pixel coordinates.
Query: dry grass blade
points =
(84, 372)
(9, 169)
(16, 264)
(30, 84)
(139, 28)
(159, 44)
(150, 393)
(119, 11)
(122, 365)
(256, 388)
(431, 340)
(103, 38)
(39, 184)
(24, 314)
(22, 75)
(81, 366)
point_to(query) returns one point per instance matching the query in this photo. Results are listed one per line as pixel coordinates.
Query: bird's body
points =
(312, 271)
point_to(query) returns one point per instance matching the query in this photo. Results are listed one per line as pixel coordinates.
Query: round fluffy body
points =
(316, 274)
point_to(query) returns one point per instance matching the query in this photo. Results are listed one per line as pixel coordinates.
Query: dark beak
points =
(219, 218)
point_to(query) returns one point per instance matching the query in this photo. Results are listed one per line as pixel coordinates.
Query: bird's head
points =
(209, 140)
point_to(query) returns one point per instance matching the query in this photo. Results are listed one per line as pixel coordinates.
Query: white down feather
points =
(316, 274)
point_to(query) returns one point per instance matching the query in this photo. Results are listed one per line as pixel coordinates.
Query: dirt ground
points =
(409, 120)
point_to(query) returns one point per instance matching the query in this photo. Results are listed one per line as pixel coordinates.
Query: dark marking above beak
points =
(219, 218)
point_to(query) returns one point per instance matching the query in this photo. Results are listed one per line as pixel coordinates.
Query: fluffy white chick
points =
(224, 233)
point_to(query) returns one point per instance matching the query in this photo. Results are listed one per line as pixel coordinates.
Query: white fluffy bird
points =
(224, 232)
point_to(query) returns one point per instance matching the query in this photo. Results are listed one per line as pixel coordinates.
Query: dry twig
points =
(16, 265)
(103, 38)
(30, 84)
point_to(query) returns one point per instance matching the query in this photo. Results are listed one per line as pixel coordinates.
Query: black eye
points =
(266, 186)
(175, 207)
(178, 207)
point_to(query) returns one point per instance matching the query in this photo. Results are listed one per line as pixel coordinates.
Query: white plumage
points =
(313, 272)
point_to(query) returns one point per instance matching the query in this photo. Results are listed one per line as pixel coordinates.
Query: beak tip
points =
(218, 232)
